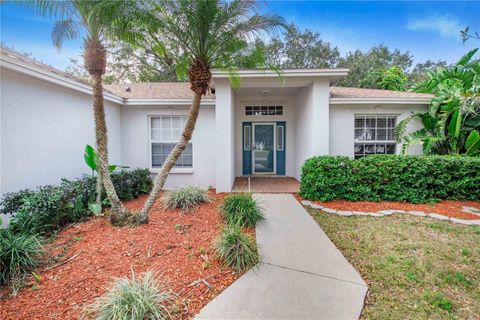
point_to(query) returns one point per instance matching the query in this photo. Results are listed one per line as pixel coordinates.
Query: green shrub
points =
(185, 198)
(241, 210)
(236, 249)
(49, 208)
(138, 298)
(19, 254)
(415, 179)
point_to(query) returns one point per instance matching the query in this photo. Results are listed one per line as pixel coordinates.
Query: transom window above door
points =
(165, 133)
(374, 134)
(264, 110)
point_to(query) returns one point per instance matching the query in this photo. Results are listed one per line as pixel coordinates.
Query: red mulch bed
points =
(447, 207)
(179, 257)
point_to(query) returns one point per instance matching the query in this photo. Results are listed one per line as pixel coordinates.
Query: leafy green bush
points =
(241, 210)
(236, 249)
(49, 208)
(137, 298)
(185, 198)
(19, 254)
(416, 179)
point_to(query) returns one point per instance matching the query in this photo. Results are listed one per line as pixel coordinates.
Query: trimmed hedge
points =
(415, 179)
(51, 207)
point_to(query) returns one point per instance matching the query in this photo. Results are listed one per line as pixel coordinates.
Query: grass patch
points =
(236, 249)
(138, 298)
(19, 254)
(241, 210)
(415, 268)
(185, 198)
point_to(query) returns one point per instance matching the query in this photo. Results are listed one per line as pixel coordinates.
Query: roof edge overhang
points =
(166, 102)
(397, 100)
(18, 66)
(331, 74)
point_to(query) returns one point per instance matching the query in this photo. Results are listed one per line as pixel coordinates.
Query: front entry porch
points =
(266, 185)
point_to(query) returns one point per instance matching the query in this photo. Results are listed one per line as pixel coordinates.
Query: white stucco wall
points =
(311, 123)
(224, 136)
(342, 125)
(44, 130)
(136, 143)
(288, 116)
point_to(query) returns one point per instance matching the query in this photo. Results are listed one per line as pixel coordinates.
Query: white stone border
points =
(383, 213)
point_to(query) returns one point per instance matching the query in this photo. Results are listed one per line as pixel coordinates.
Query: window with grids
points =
(165, 133)
(374, 134)
(264, 110)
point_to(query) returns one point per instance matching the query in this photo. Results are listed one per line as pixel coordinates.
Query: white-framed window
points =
(374, 134)
(165, 132)
(264, 110)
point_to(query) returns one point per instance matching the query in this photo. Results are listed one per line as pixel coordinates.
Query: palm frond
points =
(65, 30)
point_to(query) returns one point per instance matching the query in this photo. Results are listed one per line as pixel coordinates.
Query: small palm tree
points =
(81, 18)
(196, 36)
(452, 123)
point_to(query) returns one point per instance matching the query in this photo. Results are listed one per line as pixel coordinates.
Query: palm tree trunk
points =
(98, 201)
(172, 158)
(119, 212)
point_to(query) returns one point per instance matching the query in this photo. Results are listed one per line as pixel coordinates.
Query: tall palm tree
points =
(77, 18)
(196, 36)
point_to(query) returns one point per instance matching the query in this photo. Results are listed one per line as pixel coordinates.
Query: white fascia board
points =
(219, 74)
(38, 73)
(421, 100)
(165, 102)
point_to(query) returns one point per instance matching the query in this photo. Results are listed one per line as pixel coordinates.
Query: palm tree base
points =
(124, 218)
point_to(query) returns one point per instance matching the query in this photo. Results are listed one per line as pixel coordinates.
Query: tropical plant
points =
(241, 210)
(452, 123)
(19, 254)
(195, 36)
(92, 161)
(138, 298)
(185, 198)
(236, 249)
(83, 18)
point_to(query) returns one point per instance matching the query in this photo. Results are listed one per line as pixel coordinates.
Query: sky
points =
(428, 29)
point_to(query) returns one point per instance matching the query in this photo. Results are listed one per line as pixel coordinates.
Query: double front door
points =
(264, 148)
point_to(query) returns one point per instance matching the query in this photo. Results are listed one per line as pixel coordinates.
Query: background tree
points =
(467, 34)
(365, 66)
(392, 78)
(75, 19)
(452, 124)
(301, 50)
(419, 73)
(195, 36)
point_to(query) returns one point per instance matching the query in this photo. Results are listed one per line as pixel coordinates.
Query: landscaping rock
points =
(316, 206)
(417, 213)
(328, 210)
(345, 213)
(438, 216)
(360, 213)
(375, 214)
(306, 203)
(461, 221)
(388, 212)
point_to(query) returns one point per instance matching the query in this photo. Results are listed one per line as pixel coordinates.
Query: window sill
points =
(174, 170)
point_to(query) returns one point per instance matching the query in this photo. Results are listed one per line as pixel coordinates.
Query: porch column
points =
(224, 130)
(321, 116)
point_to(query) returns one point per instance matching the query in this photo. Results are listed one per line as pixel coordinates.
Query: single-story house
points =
(265, 127)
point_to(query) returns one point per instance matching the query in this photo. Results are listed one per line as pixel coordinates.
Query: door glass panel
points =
(263, 152)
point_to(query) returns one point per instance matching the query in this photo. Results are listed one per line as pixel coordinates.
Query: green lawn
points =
(416, 268)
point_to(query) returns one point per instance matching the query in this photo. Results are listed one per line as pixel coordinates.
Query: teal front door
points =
(263, 148)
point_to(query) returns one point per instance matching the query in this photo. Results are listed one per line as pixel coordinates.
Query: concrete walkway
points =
(302, 274)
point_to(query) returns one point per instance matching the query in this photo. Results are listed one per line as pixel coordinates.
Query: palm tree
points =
(81, 18)
(452, 123)
(196, 36)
